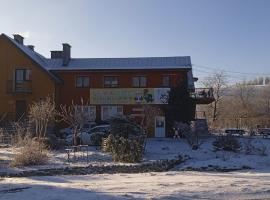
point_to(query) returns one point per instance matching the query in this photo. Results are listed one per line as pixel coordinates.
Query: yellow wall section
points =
(12, 58)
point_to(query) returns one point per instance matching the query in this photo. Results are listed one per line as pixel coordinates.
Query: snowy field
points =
(160, 149)
(167, 185)
(248, 184)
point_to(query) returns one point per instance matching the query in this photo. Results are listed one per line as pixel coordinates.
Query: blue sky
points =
(232, 35)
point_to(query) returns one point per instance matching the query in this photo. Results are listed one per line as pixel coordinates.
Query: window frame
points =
(162, 80)
(89, 110)
(26, 75)
(109, 108)
(83, 85)
(140, 81)
(111, 85)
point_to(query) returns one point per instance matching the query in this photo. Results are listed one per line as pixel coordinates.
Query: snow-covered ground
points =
(166, 185)
(176, 184)
(158, 149)
(206, 157)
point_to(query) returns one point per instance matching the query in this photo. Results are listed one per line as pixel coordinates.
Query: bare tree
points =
(217, 81)
(265, 100)
(75, 116)
(41, 113)
(240, 105)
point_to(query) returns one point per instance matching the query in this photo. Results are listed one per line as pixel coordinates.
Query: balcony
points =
(24, 87)
(203, 95)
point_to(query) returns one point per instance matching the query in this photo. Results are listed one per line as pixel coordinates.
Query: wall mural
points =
(129, 96)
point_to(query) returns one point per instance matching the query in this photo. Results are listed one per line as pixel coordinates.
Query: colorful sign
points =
(129, 96)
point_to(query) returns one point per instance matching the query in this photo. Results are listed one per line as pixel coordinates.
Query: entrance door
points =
(21, 109)
(160, 126)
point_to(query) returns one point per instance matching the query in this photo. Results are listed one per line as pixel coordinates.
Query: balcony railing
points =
(22, 87)
(203, 95)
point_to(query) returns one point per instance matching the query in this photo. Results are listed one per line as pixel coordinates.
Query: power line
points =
(230, 76)
(229, 71)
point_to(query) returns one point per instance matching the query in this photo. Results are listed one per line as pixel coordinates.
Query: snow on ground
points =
(177, 184)
(165, 185)
(158, 149)
(205, 156)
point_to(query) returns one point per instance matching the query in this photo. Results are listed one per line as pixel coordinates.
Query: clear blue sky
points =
(230, 34)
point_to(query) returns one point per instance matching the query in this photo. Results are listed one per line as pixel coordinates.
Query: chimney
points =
(31, 47)
(66, 54)
(56, 54)
(18, 38)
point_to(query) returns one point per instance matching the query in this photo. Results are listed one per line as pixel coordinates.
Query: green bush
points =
(125, 149)
(124, 127)
(96, 138)
(226, 143)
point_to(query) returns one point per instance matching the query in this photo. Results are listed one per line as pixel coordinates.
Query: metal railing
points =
(203, 95)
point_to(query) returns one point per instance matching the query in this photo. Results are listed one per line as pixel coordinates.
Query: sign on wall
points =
(129, 96)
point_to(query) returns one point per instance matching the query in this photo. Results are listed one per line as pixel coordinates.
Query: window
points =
(88, 112)
(166, 81)
(139, 81)
(110, 111)
(110, 81)
(82, 81)
(22, 75)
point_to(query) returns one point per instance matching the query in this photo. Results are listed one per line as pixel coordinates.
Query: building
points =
(110, 85)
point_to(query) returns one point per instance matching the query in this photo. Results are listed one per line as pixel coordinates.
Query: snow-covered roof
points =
(51, 65)
(177, 62)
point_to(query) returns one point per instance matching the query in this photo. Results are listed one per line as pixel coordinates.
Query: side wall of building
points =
(40, 85)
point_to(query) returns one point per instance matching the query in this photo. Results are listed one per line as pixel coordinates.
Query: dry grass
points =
(32, 153)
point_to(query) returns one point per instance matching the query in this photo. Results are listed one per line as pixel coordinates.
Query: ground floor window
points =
(110, 111)
(89, 112)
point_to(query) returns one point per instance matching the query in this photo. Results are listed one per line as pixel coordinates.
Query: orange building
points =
(110, 85)
(23, 78)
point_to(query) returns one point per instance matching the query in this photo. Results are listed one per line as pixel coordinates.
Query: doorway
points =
(21, 109)
(160, 130)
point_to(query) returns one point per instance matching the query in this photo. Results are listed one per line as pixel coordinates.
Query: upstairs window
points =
(111, 81)
(22, 75)
(82, 81)
(166, 81)
(139, 81)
